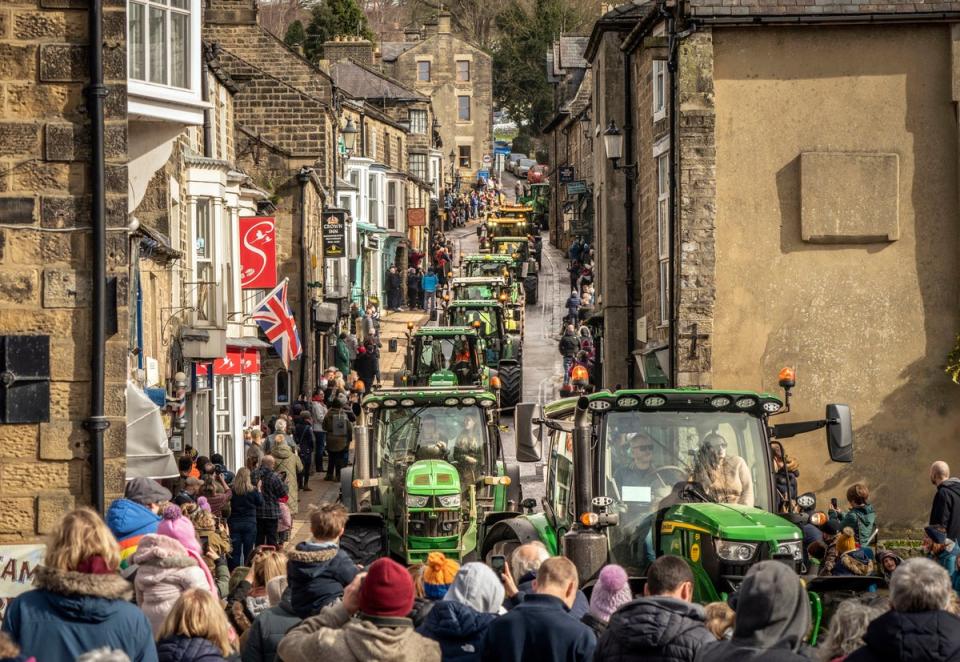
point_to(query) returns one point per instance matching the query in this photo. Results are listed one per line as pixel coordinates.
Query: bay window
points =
(160, 42)
(418, 166)
(418, 121)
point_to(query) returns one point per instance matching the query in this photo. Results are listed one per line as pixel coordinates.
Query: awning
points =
(370, 228)
(148, 454)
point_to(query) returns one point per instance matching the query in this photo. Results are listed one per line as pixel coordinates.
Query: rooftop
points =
(363, 82)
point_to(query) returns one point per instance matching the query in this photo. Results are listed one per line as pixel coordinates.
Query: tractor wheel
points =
(364, 541)
(530, 286)
(511, 384)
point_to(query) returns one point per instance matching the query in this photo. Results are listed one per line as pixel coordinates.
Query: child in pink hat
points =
(175, 525)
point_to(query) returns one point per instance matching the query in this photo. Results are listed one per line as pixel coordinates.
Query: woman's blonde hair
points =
(268, 565)
(198, 614)
(719, 618)
(81, 535)
(256, 433)
(242, 483)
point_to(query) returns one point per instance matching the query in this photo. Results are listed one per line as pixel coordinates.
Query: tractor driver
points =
(725, 477)
(431, 445)
(468, 450)
(462, 363)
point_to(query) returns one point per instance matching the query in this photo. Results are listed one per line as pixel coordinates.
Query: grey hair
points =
(280, 425)
(104, 654)
(847, 627)
(521, 564)
(920, 585)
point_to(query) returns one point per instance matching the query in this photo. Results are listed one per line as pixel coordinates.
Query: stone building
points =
(458, 77)
(797, 206)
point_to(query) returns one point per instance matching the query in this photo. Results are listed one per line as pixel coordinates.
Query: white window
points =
(418, 121)
(663, 233)
(392, 206)
(204, 259)
(223, 385)
(373, 200)
(160, 42)
(463, 109)
(423, 70)
(463, 71)
(659, 89)
(418, 165)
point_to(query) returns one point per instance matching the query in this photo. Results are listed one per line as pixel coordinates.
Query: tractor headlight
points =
(414, 501)
(731, 550)
(450, 501)
(792, 547)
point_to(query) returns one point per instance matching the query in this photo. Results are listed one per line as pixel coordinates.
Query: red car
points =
(537, 174)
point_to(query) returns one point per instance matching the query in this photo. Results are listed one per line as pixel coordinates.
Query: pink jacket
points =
(165, 571)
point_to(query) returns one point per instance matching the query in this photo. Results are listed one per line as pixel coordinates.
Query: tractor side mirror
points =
(524, 270)
(839, 433)
(528, 444)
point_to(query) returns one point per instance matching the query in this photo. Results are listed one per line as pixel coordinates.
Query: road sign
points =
(487, 159)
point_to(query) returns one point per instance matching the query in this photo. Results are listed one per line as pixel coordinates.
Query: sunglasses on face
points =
(646, 449)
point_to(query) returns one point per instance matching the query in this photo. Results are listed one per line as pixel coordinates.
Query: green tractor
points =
(525, 266)
(635, 474)
(515, 271)
(429, 475)
(539, 199)
(444, 356)
(493, 288)
(516, 221)
(503, 351)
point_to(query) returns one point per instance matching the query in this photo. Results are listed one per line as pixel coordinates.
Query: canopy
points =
(148, 454)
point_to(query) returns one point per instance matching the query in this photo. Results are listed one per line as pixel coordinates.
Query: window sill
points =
(660, 115)
(156, 102)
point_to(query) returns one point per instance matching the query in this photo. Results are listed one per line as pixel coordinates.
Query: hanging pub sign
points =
(258, 253)
(334, 233)
(416, 217)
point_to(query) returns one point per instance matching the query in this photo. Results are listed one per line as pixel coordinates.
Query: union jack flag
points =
(274, 316)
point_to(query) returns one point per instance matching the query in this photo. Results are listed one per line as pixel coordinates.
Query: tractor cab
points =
(495, 289)
(517, 221)
(444, 356)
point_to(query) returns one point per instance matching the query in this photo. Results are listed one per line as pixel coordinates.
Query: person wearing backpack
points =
(303, 437)
(338, 424)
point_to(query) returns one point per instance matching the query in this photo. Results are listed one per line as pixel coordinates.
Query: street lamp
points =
(349, 133)
(613, 145)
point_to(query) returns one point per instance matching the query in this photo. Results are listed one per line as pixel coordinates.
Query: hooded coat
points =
(166, 570)
(945, 511)
(317, 575)
(863, 521)
(268, 630)
(334, 635)
(541, 627)
(129, 522)
(658, 628)
(910, 637)
(188, 649)
(288, 463)
(458, 629)
(69, 613)
(773, 616)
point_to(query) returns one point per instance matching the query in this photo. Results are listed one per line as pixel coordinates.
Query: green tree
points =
(295, 34)
(334, 18)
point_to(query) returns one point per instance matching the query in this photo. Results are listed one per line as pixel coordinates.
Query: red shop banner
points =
(236, 362)
(258, 253)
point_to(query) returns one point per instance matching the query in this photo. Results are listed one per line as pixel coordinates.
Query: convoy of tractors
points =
(630, 474)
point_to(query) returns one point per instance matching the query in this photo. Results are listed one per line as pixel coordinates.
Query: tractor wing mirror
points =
(528, 442)
(839, 433)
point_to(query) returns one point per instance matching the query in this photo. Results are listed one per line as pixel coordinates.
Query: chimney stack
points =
(353, 48)
(443, 22)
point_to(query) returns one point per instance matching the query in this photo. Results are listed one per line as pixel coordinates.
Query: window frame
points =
(393, 203)
(659, 89)
(288, 378)
(429, 65)
(662, 169)
(457, 65)
(415, 162)
(417, 127)
(469, 117)
(205, 285)
(469, 157)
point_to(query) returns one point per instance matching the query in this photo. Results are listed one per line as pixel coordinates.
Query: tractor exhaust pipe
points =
(361, 465)
(584, 544)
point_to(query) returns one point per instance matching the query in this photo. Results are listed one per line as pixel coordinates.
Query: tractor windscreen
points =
(646, 453)
(450, 353)
(486, 269)
(474, 291)
(409, 434)
(508, 247)
(467, 316)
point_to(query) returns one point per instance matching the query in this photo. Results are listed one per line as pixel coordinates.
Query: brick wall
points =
(45, 277)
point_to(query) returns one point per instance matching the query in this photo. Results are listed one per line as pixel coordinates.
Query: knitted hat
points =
(175, 525)
(145, 491)
(438, 574)
(387, 590)
(611, 592)
(846, 541)
(831, 527)
(935, 534)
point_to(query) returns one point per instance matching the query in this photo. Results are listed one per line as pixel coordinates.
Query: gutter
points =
(629, 185)
(97, 423)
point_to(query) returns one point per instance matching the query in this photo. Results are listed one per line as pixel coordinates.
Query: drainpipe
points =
(674, 122)
(303, 178)
(97, 423)
(628, 212)
(207, 112)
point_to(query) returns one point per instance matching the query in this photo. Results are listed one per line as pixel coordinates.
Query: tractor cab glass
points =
(509, 247)
(453, 434)
(723, 455)
(476, 291)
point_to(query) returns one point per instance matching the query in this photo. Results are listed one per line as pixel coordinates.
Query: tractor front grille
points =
(434, 524)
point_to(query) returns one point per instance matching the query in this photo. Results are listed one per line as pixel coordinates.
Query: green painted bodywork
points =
(731, 521)
(422, 397)
(444, 331)
(432, 478)
(548, 535)
(443, 376)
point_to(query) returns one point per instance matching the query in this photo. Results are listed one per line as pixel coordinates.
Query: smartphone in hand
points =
(498, 562)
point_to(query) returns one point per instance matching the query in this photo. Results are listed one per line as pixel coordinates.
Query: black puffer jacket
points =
(317, 577)
(946, 507)
(267, 631)
(188, 649)
(905, 637)
(655, 629)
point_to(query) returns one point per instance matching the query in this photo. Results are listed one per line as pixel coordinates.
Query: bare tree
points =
(276, 15)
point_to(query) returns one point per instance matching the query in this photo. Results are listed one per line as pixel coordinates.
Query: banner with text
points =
(334, 233)
(258, 253)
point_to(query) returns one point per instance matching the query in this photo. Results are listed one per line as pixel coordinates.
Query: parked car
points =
(512, 161)
(537, 174)
(523, 166)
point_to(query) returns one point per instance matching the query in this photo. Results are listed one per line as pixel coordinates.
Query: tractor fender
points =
(514, 489)
(347, 494)
(516, 529)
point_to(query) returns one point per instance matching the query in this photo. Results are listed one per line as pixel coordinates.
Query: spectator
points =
(217, 493)
(318, 570)
(288, 465)
(438, 574)
(429, 286)
(945, 511)
(366, 367)
(569, 346)
(861, 516)
(830, 530)
(773, 616)
(393, 288)
(611, 592)
(306, 444)
(785, 479)
(662, 625)
(285, 523)
(919, 626)
(214, 540)
(519, 577)
(720, 619)
(342, 357)
(268, 629)
(79, 602)
(887, 563)
(318, 409)
(542, 627)
(166, 570)
(244, 502)
(381, 599)
(421, 604)
(190, 491)
(179, 527)
(573, 306)
(185, 469)
(850, 560)
(847, 627)
(248, 597)
(272, 488)
(944, 551)
(338, 424)
(221, 469)
(459, 621)
(413, 288)
(135, 515)
(279, 429)
(195, 630)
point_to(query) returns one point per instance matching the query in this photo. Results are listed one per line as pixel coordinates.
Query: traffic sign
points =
(487, 159)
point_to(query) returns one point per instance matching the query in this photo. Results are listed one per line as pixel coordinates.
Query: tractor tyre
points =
(530, 286)
(364, 541)
(511, 384)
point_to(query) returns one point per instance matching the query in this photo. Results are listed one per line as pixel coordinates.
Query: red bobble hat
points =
(387, 590)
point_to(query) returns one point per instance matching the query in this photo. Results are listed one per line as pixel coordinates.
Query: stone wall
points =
(45, 276)
(349, 48)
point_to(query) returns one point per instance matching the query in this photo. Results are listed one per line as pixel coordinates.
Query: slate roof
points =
(732, 8)
(391, 50)
(570, 51)
(365, 83)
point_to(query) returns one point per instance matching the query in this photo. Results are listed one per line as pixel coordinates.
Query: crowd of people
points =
(576, 344)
